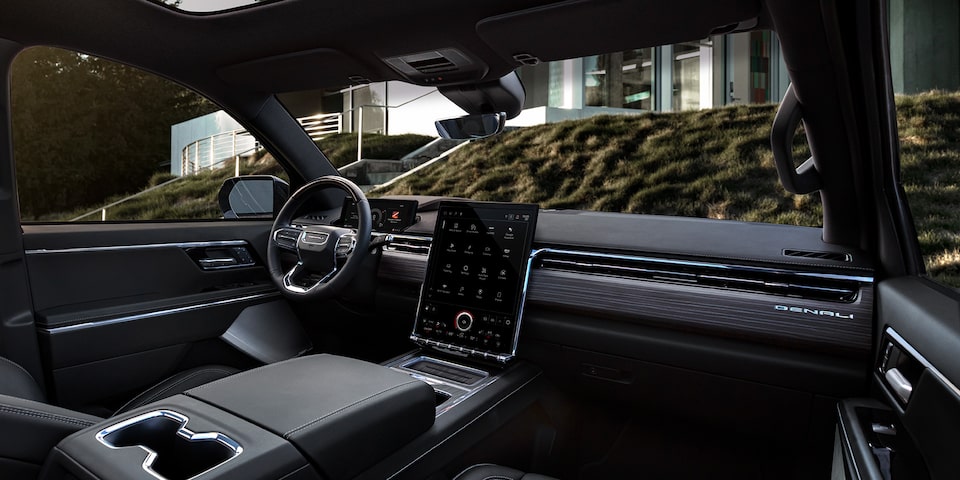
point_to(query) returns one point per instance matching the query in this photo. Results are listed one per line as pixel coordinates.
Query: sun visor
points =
(531, 35)
(310, 69)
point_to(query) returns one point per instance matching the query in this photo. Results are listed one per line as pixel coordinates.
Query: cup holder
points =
(440, 396)
(173, 451)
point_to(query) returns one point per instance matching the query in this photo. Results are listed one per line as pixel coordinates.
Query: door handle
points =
(217, 262)
(899, 384)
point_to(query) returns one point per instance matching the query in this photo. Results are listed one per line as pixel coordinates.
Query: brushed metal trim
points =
(157, 313)
(903, 344)
(147, 246)
(691, 263)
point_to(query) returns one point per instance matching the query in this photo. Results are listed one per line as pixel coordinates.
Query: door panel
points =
(918, 367)
(119, 306)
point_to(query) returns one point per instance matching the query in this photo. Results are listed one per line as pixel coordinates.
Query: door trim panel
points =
(156, 313)
(112, 248)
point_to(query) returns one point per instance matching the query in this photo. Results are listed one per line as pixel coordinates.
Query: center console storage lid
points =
(343, 414)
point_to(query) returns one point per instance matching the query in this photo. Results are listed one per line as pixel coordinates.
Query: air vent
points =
(418, 245)
(838, 257)
(804, 285)
(433, 65)
(436, 65)
(526, 59)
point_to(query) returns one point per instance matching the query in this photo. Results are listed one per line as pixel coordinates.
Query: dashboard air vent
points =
(839, 257)
(419, 245)
(807, 285)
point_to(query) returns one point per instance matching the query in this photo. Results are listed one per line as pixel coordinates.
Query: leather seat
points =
(15, 381)
(489, 471)
(31, 428)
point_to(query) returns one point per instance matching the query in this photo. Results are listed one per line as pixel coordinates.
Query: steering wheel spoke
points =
(286, 237)
(346, 244)
(300, 280)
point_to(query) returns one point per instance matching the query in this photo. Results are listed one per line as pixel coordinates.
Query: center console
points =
(333, 418)
(313, 417)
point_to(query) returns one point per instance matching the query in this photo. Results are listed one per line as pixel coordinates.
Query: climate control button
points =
(463, 321)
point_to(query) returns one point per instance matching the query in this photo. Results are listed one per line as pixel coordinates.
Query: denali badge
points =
(812, 311)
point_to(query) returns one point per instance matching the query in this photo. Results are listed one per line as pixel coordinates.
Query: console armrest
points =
(31, 429)
(344, 414)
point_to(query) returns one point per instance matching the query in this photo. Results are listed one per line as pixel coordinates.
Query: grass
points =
(195, 197)
(929, 127)
(342, 149)
(711, 163)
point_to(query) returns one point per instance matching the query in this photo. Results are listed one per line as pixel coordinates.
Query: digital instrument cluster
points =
(476, 275)
(388, 215)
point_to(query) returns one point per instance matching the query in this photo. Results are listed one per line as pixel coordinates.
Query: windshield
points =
(677, 129)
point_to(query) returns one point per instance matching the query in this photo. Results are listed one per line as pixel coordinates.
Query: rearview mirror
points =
(252, 196)
(470, 127)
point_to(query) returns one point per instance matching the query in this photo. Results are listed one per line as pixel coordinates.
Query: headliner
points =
(299, 44)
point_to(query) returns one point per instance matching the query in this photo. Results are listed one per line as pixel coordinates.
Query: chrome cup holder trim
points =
(182, 431)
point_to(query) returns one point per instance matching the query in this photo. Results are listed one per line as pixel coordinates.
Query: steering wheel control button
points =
(312, 238)
(464, 321)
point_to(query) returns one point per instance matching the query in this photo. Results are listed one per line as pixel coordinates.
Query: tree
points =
(86, 129)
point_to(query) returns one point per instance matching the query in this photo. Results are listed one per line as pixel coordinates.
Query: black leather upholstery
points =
(30, 430)
(178, 383)
(488, 471)
(343, 414)
(15, 381)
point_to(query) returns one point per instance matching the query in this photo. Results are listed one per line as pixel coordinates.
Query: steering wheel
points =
(327, 256)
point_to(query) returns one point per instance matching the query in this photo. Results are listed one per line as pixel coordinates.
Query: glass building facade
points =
(723, 70)
(734, 69)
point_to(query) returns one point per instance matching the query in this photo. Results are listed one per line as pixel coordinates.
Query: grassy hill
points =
(195, 197)
(711, 163)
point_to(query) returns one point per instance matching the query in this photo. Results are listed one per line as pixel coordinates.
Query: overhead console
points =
(471, 302)
(441, 66)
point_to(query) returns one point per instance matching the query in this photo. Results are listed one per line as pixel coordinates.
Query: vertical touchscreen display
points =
(476, 271)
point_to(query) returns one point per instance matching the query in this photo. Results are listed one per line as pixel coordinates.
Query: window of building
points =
(620, 80)
(92, 141)
(686, 76)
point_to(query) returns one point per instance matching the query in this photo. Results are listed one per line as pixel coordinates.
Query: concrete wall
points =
(925, 45)
(185, 133)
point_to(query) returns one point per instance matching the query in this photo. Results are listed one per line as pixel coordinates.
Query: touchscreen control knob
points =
(463, 321)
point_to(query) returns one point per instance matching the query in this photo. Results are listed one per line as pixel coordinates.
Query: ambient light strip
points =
(148, 246)
(157, 313)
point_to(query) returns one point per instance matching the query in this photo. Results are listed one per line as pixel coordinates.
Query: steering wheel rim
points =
(318, 247)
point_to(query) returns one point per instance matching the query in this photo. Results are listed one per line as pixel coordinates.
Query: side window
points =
(929, 128)
(95, 140)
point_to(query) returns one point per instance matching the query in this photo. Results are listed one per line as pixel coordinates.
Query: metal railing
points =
(210, 152)
(220, 163)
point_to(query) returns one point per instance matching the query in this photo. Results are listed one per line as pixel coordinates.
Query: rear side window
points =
(96, 140)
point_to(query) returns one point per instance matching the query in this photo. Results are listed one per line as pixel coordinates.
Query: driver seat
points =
(31, 427)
